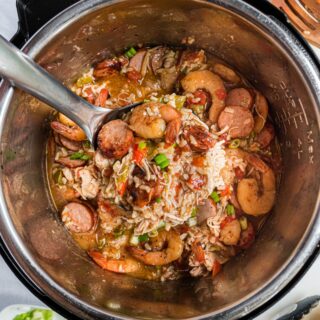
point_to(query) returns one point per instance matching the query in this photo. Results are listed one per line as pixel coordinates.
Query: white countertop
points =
(13, 292)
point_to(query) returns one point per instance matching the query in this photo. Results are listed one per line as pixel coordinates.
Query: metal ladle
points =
(24, 73)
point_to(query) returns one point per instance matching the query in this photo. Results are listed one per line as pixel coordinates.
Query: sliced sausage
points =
(247, 237)
(226, 73)
(238, 119)
(66, 161)
(113, 63)
(70, 144)
(79, 218)
(240, 97)
(137, 59)
(205, 211)
(115, 138)
(265, 137)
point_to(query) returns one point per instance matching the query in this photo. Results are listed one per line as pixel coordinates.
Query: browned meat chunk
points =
(114, 139)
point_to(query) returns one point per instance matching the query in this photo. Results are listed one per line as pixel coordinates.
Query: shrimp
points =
(226, 73)
(124, 265)
(253, 199)
(154, 120)
(210, 82)
(230, 232)
(157, 258)
(74, 133)
(261, 107)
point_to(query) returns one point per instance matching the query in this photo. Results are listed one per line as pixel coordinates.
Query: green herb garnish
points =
(57, 177)
(86, 144)
(234, 144)
(143, 238)
(130, 53)
(142, 145)
(119, 232)
(80, 156)
(215, 197)
(243, 222)
(230, 210)
(194, 212)
(161, 160)
(158, 200)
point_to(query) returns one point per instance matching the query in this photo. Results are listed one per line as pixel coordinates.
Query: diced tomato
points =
(139, 154)
(221, 94)
(247, 237)
(198, 252)
(102, 98)
(90, 97)
(134, 75)
(199, 98)
(197, 183)
(216, 267)
(198, 161)
(226, 192)
(226, 221)
(122, 188)
(239, 173)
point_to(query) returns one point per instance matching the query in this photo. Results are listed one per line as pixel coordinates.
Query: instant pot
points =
(256, 40)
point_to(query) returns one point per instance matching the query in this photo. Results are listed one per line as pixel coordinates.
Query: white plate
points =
(11, 311)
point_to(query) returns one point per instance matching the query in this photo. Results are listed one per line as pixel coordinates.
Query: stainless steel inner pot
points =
(260, 48)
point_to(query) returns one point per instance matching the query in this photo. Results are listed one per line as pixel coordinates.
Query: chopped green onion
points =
(119, 232)
(215, 197)
(192, 222)
(243, 223)
(158, 200)
(143, 238)
(197, 108)
(214, 247)
(86, 144)
(164, 164)
(84, 80)
(161, 160)
(130, 53)
(142, 145)
(134, 240)
(194, 212)
(234, 144)
(35, 314)
(57, 176)
(153, 233)
(252, 135)
(161, 224)
(80, 156)
(180, 101)
(101, 243)
(230, 210)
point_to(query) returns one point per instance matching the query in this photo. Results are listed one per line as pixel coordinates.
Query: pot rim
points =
(285, 39)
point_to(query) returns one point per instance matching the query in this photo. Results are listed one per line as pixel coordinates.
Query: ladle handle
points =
(25, 74)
